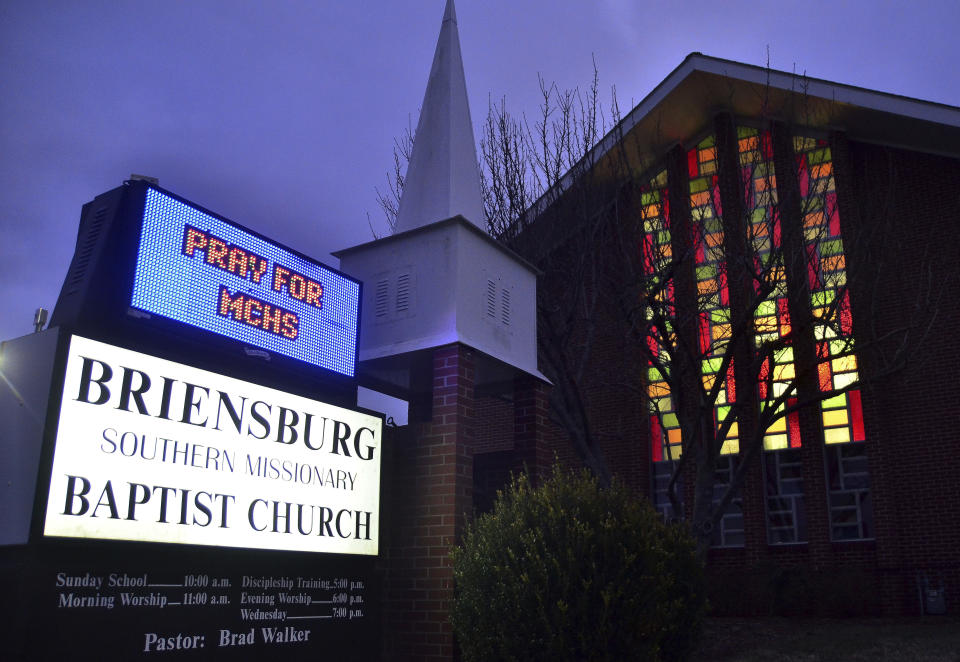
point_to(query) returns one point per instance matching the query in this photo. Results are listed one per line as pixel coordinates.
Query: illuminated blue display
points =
(199, 270)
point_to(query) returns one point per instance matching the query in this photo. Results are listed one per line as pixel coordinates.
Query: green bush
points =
(570, 571)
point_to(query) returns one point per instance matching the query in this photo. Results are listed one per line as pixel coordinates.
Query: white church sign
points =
(151, 450)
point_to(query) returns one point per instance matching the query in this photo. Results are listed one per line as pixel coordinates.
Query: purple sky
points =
(281, 115)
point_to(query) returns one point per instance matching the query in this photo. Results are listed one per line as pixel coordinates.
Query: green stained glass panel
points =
(836, 402)
(766, 308)
(650, 198)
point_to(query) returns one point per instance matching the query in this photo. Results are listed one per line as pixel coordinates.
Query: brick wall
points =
(912, 275)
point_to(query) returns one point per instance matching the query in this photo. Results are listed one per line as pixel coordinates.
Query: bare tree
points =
(721, 270)
(525, 164)
(723, 267)
(389, 199)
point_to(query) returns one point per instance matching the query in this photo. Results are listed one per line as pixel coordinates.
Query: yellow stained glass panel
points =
(766, 324)
(785, 371)
(775, 442)
(730, 447)
(779, 425)
(836, 435)
(844, 379)
(822, 332)
(845, 363)
(835, 417)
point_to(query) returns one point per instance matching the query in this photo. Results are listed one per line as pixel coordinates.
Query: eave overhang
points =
(680, 110)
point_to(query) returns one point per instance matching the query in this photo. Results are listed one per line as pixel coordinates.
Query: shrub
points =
(570, 571)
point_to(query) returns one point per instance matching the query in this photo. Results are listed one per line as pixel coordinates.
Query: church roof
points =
(679, 110)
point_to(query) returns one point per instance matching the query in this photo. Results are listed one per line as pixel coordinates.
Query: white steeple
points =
(440, 278)
(443, 179)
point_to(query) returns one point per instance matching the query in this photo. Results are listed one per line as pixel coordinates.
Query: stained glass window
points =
(851, 512)
(825, 263)
(714, 326)
(713, 296)
(783, 479)
(826, 271)
(656, 253)
(772, 316)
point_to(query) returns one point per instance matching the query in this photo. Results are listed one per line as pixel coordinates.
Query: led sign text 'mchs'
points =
(200, 270)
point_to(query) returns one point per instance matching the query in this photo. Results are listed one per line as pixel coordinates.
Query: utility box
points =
(933, 600)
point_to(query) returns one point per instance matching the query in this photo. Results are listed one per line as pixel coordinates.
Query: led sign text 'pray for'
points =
(200, 270)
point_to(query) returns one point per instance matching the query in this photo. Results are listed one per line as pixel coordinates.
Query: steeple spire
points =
(443, 179)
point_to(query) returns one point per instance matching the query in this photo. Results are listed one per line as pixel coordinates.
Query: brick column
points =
(529, 426)
(740, 285)
(886, 512)
(804, 347)
(433, 492)
(685, 299)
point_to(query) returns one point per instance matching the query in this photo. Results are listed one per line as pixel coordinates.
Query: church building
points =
(741, 302)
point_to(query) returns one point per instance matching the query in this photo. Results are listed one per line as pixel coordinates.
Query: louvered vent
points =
(505, 307)
(82, 261)
(491, 298)
(382, 298)
(403, 293)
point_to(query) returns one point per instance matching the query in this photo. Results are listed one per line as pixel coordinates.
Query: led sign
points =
(152, 450)
(200, 270)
